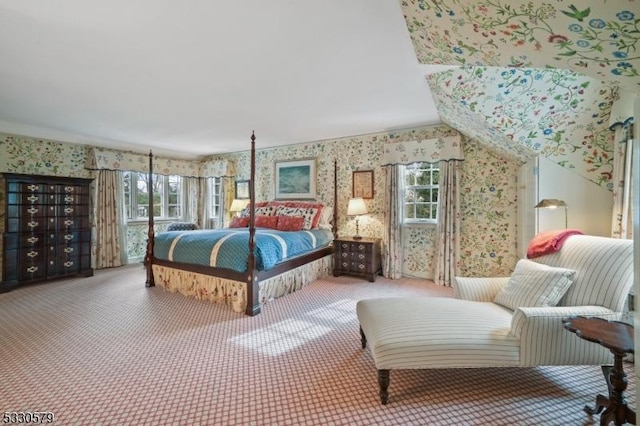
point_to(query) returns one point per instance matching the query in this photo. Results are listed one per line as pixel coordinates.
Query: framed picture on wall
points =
(296, 179)
(363, 184)
(242, 189)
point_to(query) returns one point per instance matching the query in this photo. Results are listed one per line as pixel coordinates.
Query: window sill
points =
(419, 225)
(155, 221)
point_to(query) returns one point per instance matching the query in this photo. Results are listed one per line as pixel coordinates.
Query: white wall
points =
(589, 205)
(527, 198)
(636, 230)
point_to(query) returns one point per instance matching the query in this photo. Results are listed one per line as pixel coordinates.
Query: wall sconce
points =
(552, 203)
(356, 208)
(238, 205)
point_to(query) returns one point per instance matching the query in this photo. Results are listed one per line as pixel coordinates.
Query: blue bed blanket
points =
(229, 247)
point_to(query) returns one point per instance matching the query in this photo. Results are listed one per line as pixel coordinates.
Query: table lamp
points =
(238, 205)
(356, 208)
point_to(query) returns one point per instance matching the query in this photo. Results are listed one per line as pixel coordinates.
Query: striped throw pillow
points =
(533, 284)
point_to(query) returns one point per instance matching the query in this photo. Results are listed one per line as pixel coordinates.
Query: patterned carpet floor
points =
(106, 350)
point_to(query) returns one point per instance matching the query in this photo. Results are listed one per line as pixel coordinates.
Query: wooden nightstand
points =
(356, 257)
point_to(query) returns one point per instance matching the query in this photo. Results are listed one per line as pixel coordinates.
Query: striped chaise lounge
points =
(524, 329)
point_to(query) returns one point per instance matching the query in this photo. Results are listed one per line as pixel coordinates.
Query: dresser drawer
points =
(47, 231)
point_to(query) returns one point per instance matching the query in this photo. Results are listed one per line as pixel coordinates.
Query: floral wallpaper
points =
(559, 114)
(488, 196)
(489, 189)
(595, 38)
(21, 154)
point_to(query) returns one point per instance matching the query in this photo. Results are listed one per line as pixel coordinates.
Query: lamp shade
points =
(550, 203)
(238, 205)
(356, 207)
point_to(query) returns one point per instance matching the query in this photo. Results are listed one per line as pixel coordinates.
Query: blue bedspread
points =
(228, 248)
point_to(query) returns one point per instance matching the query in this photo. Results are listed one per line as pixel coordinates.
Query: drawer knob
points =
(32, 240)
(32, 269)
(32, 224)
(32, 254)
(68, 264)
(68, 237)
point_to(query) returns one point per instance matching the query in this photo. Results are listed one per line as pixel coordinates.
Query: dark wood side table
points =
(618, 338)
(356, 256)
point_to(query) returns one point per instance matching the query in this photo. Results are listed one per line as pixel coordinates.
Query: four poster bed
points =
(246, 266)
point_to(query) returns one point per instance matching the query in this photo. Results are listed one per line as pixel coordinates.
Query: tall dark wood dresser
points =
(47, 232)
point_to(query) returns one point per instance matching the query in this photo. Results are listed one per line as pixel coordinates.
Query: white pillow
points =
(326, 217)
(533, 284)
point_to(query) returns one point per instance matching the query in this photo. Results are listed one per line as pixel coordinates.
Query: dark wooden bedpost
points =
(335, 198)
(150, 233)
(253, 295)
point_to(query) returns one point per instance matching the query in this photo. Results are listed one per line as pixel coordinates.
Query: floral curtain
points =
(109, 220)
(227, 192)
(448, 228)
(192, 196)
(203, 209)
(448, 151)
(392, 254)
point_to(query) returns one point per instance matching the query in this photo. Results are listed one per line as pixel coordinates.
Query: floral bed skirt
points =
(234, 293)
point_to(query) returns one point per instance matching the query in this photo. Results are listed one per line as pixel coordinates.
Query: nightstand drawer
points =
(357, 257)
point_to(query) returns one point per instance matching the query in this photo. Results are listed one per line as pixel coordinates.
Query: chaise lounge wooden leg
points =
(383, 381)
(363, 339)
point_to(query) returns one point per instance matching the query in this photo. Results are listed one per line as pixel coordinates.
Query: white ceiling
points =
(196, 77)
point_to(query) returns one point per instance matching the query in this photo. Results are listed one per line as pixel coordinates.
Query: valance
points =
(102, 158)
(426, 150)
(218, 168)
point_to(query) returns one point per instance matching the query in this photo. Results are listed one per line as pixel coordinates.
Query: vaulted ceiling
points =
(195, 79)
(537, 77)
(598, 39)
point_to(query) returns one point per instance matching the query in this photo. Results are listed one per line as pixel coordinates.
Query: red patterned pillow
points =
(315, 218)
(267, 222)
(239, 222)
(307, 214)
(290, 223)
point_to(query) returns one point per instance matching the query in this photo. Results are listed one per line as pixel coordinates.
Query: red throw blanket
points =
(549, 242)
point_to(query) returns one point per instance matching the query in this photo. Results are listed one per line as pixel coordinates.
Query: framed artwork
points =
(242, 189)
(296, 179)
(363, 184)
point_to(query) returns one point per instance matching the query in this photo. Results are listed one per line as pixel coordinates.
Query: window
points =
(167, 196)
(421, 186)
(216, 215)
